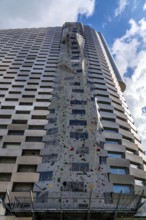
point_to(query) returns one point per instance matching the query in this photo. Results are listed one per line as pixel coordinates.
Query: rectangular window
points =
(78, 122)
(33, 139)
(23, 112)
(134, 165)
(22, 187)
(112, 141)
(113, 130)
(80, 167)
(7, 159)
(75, 83)
(118, 170)
(16, 132)
(102, 160)
(78, 112)
(30, 152)
(45, 176)
(78, 90)
(36, 127)
(78, 102)
(73, 186)
(79, 135)
(38, 117)
(5, 177)
(52, 111)
(27, 168)
(122, 188)
(115, 155)
(139, 182)
(19, 122)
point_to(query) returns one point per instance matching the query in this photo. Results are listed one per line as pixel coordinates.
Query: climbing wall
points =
(73, 160)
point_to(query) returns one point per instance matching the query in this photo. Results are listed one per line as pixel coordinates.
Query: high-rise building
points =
(69, 148)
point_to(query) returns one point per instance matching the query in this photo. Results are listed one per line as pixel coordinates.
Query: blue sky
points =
(113, 26)
(122, 22)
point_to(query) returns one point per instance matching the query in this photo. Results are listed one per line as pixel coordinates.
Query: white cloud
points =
(144, 7)
(35, 13)
(121, 7)
(130, 52)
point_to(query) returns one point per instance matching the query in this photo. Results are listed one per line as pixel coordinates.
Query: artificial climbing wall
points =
(74, 159)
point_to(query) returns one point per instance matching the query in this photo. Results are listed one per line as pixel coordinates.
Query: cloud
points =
(121, 7)
(130, 53)
(36, 13)
(144, 7)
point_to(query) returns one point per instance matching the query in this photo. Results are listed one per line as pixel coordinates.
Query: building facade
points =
(69, 148)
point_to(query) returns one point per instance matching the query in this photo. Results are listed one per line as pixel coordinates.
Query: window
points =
(30, 152)
(22, 187)
(51, 158)
(115, 155)
(78, 102)
(73, 186)
(23, 112)
(78, 122)
(78, 90)
(7, 159)
(79, 135)
(45, 176)
(78, 111)
(25, 103)
(38, 117)
(139, 182)
(19, 122)
(36, 127)
(134, 165)
(5, 116)
(3, 126)
(108, 119)
(75, 83)
(113, 141)
(80, 167)
(113, 130)
(123, 188)
(33, 139)
(130, 151)
(52, 111)
(118, 170)
(5, 177)
(27, 168)
(15, 132)
(102, 160)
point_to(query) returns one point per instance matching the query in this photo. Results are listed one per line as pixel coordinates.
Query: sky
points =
(122, 22)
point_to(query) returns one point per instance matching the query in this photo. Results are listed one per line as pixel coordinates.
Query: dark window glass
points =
(45, 176)
(78, 135)
(78, 111)
(78, 90)
(102, 160)
(78, 102)
(73, 186)
(80, 167)
(78, 122)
